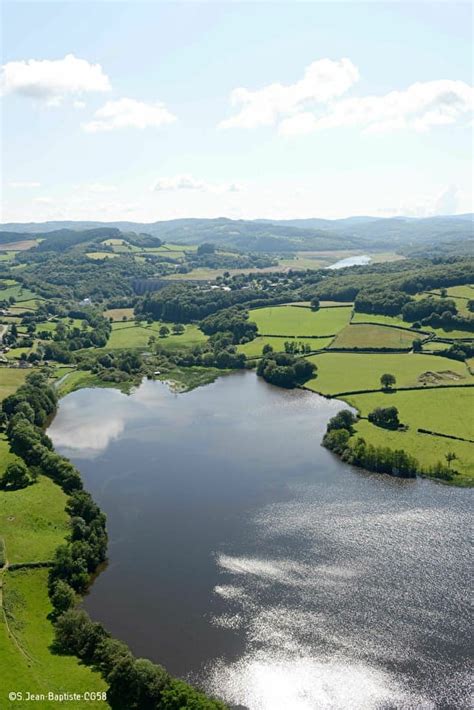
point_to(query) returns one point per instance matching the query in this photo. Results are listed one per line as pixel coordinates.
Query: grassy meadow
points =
(292, 320)
(373, 336)
(254, 347)
(129, 334)
(345, 372)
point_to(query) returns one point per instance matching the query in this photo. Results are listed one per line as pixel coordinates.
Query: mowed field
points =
(296, 321)
(10, 379)
(398, 321)
(346, 372)
(119, 313)
(446, 411)
(373, 336)
(254, 347)
(131, 335)
(26, 636)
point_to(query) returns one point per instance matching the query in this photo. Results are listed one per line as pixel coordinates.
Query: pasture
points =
(254, 347)
(118, 314)
(99, 255)
(398, 321)
(33, 521)
(345, 372)
(130, 335)
(25, 644)
(292, 320)
(10, 379)
(373, 336)
(446, 411)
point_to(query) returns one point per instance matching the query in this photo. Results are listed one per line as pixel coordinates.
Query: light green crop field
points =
(10, 379)
(17, 291)
(51, 325)
(346, 372)
(434, 346)
(395, 321)
(119, 313)
(254, 347)
(26, 635)
(373, 336)
(288, 320)
(97, 255)
(446, 411)
(398, 321)
(33, 521)
(130, 335)
(460, 294)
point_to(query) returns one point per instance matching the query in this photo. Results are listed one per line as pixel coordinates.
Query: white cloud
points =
(322, 81)
(24, 184)
(98, 187)
(420, 107)
(188, 182)
(129, 113)
(52, 80)
(44, 200)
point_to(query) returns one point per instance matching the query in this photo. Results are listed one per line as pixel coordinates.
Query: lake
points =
(249, 560)
(351, 261)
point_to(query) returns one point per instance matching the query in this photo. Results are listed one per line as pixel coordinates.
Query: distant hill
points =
(359, 232)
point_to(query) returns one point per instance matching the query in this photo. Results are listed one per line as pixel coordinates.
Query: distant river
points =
(248, 559)
(351, 261)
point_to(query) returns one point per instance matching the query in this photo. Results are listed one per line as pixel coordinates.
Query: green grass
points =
(372, 336)
(97, 255)
(26, 660)
(288, 320)
(254, 347)
(10, 379)
(17, 291)
(33, 521)
(345, 372)
(129, 335)
(398, 321)
(447, 411)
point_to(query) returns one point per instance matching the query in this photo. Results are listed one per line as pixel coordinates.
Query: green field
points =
(130, 335)
(98, 255)
(10, 379)
(291, 320)
(345, 372)
(373, 336)
(18, 292)
(398, 321)
(254, 347)
(119, 313)
(33, 521)
(26, 635)
(446, 411)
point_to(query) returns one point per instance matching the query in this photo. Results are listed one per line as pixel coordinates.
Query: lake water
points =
(351, 261)
(248, 559)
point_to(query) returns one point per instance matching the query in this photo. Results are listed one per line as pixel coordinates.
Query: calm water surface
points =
(246, 558)
(351, 261)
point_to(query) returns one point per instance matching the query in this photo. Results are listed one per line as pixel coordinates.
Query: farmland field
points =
(10, 379)
(291, 320)
(26, 660)
(398, 321)
(373, 336)
(119, 313)
(424, 409)
(131, 335)
(97, 255)
(33, 521)
(345, 372)
(254, 347)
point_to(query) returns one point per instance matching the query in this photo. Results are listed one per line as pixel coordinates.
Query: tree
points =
(17, 475)
(450, 456)
(470, 305)
(387, 381)
(62, 596)
(164, 331)
(417, 343)
(267, 348)
(315, 303)
(178, 328)
(385, 417)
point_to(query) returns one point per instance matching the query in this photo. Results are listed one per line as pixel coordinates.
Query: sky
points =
(145, 111)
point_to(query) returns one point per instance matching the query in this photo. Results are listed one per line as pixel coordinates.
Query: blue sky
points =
(144, 122)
